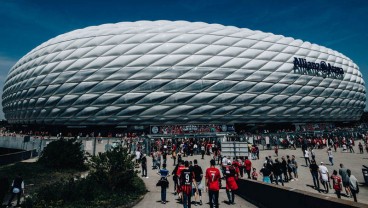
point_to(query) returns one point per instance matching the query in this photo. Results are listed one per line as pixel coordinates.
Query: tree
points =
(63, 153)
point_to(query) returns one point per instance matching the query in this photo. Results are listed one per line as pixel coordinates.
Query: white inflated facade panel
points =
(177, 72)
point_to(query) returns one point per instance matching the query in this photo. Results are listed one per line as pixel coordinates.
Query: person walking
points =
(202, 151)
(231, 185)
(337, 183)
(198, 175)
(266, 173)
(314, 169)
(181, 167)
(360, 148)
(306, 157)
(213, 178)
(187, 181)
(294, 166)
(330, 156)
(247, 166)
(354, 187)
(17, 188)
(277, 171)
(164, 183)
(144, 166)
(323, 171)
(284, 167)
(345, 179)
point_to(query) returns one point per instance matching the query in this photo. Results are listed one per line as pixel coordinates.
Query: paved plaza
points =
(353, 161)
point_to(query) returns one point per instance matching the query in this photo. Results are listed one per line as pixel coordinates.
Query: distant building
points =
(178, 72)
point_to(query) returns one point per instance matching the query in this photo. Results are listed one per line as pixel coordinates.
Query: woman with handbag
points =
(163, 182)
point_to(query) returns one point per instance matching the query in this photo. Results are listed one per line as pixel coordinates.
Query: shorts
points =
(295, 170)
(199, 185)
(266, 179)
(346, 184)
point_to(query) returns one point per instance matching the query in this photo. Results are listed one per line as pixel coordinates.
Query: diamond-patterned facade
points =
(177, 72)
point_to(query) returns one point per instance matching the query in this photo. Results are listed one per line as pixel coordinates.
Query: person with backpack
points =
(163, 182)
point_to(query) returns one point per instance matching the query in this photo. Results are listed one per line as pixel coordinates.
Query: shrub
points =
(109, 184)
(62, 154)
(114, 168)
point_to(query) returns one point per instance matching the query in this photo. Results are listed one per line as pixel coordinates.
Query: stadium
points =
(178, 72)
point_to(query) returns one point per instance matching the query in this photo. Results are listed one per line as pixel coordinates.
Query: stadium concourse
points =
(353, 161)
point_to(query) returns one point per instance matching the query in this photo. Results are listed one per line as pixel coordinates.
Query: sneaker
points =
(146, 176)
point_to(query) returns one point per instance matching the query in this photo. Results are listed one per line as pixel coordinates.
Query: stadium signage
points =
(323, 69)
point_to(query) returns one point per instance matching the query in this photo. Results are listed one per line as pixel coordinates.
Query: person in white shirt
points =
(354, 187)
(137, 156)
(224, 164)
(306, 157)
(324, 176)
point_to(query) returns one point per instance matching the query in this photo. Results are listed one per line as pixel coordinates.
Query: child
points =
(276, 151)
(254, 174)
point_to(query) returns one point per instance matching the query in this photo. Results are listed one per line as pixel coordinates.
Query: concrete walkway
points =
(153, 198)
(352, 161)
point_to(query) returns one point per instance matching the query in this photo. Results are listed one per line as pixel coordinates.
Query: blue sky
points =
(340, 24)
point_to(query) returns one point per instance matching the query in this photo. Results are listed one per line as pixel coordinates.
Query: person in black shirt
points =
(266, 173)
(17, 189)
(187, 180)
(314, 169)
(198, 175)
(277, 171)
(284, 166)
(144, 165)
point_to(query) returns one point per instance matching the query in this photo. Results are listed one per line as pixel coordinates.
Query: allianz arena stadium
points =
(178, 72)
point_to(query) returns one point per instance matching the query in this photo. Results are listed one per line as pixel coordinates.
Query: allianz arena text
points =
(178, 72)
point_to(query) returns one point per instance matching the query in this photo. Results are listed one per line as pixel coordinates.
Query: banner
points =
(190, 129)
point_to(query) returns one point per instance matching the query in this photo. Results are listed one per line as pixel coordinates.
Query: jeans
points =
(307, 160)
(277, 179)
(163, 194)
(331, 160)
(248, 173)
(315, 179)
(213, 196)
(187, 200)
(230, 196)
(144, 170)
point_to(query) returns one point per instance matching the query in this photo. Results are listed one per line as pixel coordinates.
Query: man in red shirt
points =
(181, 167)
(337, 183)
(213, 184)
(248, 166)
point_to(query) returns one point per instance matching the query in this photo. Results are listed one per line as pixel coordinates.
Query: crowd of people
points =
(190, 181)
